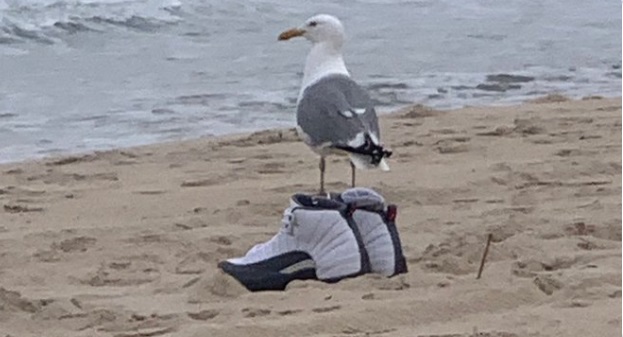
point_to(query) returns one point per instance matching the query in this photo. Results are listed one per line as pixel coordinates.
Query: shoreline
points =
(551, 98)
(125, 242)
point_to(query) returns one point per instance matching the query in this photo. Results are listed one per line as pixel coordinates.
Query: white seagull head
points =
(318, 29)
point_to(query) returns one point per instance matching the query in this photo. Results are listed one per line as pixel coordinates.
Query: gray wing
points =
(334, 110)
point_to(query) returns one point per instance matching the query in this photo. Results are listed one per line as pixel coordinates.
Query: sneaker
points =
(316, 241)
(376, 222)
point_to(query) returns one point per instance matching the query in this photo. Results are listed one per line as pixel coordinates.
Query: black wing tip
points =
(378, 154)
(368, 148)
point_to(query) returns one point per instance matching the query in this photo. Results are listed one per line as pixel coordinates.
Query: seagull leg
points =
(352, 175)
(321, 167)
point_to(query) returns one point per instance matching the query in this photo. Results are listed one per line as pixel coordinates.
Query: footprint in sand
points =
(610, 108)
(222, 240)
(547, 284)
(327, 309)
(47, 256)
(203, 315)
(288, 188)
(474, 334)
(200, 183)
(22, 209)
(452, 148)
(445, 131)
(243, 202)
(419, 111)
(191, 223)
(533, 267)
(409, 143)
(255, 312)
(368, 296)
(147, 332)
(150, 192)
(13, 301)
(110, 176)
(263, 156)
(450, 265)
(194, 264)
(60, 178)
(127, 271)
(265, 137)
(61, 309)
(271, 168)
(209, 287)
(499, 131)
(527, 268)
(529, 126)
(77, 244)
(14, 171)
(376, 282)
(608, 231)
(71, 160)
(291, 312)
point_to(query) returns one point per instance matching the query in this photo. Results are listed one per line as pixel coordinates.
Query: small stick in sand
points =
(484, 256)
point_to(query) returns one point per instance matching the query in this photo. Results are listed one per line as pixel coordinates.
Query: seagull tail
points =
(369, 155)
(363, 162)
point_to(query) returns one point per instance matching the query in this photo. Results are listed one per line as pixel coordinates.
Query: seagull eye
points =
(313, 24)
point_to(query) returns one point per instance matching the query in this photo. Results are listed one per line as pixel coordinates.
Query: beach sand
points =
(125, 243)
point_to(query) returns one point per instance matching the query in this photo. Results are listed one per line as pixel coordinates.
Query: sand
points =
(125, 243)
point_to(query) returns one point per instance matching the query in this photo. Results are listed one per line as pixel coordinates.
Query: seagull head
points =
(317, 29)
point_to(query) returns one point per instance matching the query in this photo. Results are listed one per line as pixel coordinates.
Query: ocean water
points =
(84, 75)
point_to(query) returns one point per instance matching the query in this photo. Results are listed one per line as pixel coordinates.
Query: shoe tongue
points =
(316, 202)
(363, 198)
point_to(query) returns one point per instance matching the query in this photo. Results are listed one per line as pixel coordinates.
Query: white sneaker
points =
(315, 241)
(377, 225)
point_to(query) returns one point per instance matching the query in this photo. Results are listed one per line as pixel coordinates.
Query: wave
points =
(47, 21)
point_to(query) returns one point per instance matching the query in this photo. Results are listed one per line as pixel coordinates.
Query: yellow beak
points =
(290, 33)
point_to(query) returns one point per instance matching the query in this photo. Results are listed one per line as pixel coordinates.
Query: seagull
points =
(334, 114)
